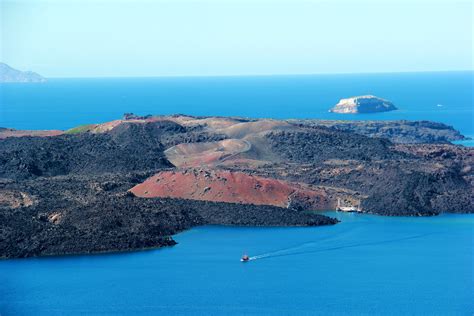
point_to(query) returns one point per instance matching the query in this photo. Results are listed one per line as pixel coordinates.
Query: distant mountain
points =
(9, 74)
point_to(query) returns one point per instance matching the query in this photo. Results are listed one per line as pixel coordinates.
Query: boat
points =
(341, 208)
(244, 258)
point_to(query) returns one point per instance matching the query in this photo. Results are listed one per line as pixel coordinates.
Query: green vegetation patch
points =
(80, 129)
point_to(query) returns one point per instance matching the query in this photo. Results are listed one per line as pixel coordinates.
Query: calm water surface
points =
(364, 265)
(64, 103)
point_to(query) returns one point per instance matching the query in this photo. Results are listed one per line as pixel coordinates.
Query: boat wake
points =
(287, 250)
(308, 247)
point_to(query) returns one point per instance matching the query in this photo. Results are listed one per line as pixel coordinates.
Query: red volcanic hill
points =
(231, 187)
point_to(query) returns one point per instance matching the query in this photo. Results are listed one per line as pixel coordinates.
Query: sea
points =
(365, 265)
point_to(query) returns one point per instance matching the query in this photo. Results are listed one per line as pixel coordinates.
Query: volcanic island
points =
(134, 182)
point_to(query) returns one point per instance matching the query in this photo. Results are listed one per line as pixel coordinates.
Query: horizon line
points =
(260, 75)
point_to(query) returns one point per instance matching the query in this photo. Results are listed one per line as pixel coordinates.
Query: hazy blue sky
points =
(177, 37)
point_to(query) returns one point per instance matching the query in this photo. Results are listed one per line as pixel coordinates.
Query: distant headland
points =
(9, 74)
(363, 104)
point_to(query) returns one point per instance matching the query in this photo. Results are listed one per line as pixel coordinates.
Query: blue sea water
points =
(64, 103)
(365, 265)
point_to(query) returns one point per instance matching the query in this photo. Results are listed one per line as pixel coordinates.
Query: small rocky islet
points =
(132, 183)
(363, 104)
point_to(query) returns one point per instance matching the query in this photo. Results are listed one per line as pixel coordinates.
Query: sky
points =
(70, 38)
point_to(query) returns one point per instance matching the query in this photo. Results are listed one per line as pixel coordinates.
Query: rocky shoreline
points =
(74, 193)
(78, 214)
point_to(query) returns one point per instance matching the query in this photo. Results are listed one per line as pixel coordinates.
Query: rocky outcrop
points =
(397, 180)
(132, 116)
(363, 104)
(402, 132)
(318, 144)
(15, 199)
(9, 74)
(128, 147)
